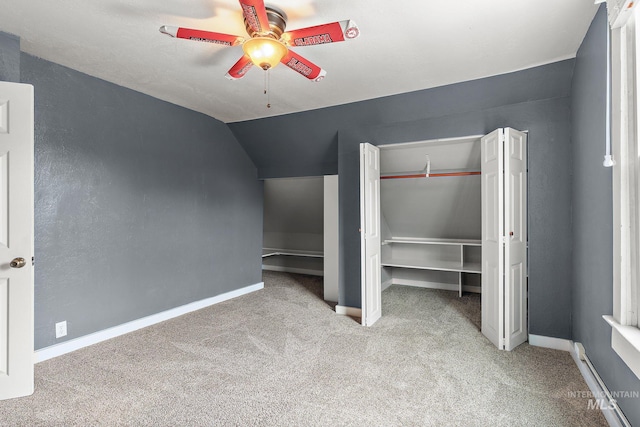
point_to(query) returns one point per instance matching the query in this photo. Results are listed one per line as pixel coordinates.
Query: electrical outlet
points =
(61, 329)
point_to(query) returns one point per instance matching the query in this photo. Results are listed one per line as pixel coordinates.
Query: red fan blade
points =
(255, 15)
(240, 68)
(202, 36)
(320, 34)
(303, 66)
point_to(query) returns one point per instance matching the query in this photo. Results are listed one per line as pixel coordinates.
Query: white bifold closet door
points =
(370, 233)
(504, 237)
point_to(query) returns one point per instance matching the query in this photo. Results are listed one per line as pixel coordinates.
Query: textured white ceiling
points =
(404, 46)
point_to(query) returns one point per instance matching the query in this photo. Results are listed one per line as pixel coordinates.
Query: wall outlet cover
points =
(61, 329)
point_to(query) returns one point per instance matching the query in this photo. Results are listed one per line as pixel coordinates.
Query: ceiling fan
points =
(269, 44)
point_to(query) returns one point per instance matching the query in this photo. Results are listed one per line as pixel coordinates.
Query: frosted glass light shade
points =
(265, 52)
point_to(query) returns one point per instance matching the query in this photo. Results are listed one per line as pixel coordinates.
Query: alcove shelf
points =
(293, 261)
(448, 255)
(268, 252)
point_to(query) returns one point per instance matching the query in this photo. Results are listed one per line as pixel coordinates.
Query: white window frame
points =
(625, 117)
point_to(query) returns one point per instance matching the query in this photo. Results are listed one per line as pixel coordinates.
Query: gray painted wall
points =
(294, 213)
(306, 144)
(9, 58)
(141, 206)
(294, 219)
(536, 99)
(593, 217)
(437, 207)
(445, 208)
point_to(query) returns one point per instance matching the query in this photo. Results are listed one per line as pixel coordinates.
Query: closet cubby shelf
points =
(436, 254)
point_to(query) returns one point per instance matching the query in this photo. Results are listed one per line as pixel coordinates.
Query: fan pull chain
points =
(266, 88)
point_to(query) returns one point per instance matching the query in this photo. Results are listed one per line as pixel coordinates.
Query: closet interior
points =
(430, 206)
(300, 228)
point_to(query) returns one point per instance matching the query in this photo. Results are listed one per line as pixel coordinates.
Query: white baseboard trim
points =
(96, 337)
(386, 284)
(348, 311)
(306, 271)
(551, 342)
(600, 395)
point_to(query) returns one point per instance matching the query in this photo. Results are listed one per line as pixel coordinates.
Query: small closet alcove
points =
(449, 214)
(300, 228)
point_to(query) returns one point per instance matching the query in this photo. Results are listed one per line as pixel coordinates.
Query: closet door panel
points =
(515, 170)
(492, 232)
(370, 233)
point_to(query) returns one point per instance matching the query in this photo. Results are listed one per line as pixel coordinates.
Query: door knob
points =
(17, 263)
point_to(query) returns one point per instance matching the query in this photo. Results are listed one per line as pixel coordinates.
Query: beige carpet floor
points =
(282, 357)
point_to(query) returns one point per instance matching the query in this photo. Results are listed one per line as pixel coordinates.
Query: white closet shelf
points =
(454, 266)
(433, 241)
(267, 252)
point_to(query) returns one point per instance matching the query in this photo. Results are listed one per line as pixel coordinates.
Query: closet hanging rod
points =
(430, 175)
(426, 173)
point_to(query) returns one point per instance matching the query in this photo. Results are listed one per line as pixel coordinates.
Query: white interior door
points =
(370, 233)
(515, 226)
(16, 240)
(504, 237)
(492, 231)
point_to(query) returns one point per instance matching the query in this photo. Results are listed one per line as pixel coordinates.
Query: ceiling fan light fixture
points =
(269, 42)
(265, 52)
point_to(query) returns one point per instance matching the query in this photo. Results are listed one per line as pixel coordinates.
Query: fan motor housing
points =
(277, 23)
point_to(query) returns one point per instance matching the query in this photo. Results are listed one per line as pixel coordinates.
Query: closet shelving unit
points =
(454, 255)
(438, 254)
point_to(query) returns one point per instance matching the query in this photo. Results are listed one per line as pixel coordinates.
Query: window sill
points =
(625, 340)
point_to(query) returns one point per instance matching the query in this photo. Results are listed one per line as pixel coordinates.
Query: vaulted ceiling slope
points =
(403, 47)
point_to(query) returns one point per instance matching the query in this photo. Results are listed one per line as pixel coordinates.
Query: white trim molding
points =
(625, 209)
(550, 342)
(625, 116)
(600, 396)
(96, 337)
(343, 310)
(619, 11)
(625, 341)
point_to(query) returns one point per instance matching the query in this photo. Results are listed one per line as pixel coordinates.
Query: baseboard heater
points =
(602, 398)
